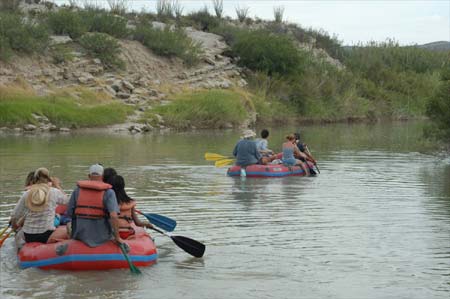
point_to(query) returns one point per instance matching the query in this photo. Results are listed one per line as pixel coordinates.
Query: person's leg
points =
(303, 166)
(59, 234)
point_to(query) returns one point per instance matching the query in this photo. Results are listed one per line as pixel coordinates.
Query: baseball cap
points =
(96, 169)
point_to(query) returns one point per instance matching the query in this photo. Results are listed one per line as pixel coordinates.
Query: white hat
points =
(37, 198)
(96, 169)
(248, 134)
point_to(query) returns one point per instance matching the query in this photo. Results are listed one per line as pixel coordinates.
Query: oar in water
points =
(309, 153)
(191, 246)
(133, 268)
(160, 221)
(224, 162)
(214, 157)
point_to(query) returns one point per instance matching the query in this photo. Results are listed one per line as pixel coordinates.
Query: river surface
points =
(374, 224)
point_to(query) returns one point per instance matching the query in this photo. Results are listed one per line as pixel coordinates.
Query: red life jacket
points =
(126, 217)
(90, 199)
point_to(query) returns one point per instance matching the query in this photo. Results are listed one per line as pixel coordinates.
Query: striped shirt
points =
(39, 222)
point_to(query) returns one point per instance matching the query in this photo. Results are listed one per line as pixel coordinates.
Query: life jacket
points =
(90, 199)
(126, 217)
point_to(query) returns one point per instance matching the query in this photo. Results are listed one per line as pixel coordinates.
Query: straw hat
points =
(248, 134)
(37, 199)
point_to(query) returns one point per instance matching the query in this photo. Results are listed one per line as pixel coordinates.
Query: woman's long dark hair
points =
(118, 184)
(108, 175)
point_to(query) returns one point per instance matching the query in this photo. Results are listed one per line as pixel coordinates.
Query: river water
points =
(374, 224)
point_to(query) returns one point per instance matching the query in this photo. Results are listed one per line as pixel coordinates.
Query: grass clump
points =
(103, 47)
(170, 43)
(16, 109)
(204, 109)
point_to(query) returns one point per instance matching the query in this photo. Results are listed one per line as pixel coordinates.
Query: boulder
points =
(29, 128)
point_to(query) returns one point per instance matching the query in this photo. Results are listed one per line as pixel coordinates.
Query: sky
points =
(407, 21)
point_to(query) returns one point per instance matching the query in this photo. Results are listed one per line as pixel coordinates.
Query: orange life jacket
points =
(126, 217)
(90, 199)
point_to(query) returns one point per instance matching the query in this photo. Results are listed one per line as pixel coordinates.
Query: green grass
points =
(16, 109)
(203, 109)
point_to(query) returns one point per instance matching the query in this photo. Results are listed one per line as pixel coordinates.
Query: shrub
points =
(242, 13)
(61, 53)
(118, 7)
(278, 13)
(67, 21)
(104, 47)
(438, 109)
(261, 51)
(218, 7)
(103, 21)
(205, 109)
(203, 20)
(16, 35)
(169, 43)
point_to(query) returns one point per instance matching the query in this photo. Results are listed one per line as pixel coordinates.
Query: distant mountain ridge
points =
(436, 46)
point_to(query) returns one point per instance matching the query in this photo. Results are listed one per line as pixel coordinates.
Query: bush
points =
(16, 35)
(261, 51)
(102, 21)
(168, 43)
(438, 109)
(203, 20)
(67, 21)
(206, 109)
(104, 47)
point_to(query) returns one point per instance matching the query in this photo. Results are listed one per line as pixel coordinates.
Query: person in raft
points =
(290, 150)
(246, 152)
(262, 144)
(94, 210)
(36, 208)
(127, 209)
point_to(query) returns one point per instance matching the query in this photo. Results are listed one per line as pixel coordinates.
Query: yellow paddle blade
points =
(224, 162)
(3, 231)
(214, 157)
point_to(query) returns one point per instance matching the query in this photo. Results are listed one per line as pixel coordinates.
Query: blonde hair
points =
(41, 176)
(290, 137)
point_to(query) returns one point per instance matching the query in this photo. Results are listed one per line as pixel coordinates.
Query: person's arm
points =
(72, 202)
(18, 212)
(110, 203)
(139, 222)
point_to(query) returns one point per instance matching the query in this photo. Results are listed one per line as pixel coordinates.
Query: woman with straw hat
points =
(37, 207)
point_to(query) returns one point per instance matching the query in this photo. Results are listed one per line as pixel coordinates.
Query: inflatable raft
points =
(270, 170)
(75, 255)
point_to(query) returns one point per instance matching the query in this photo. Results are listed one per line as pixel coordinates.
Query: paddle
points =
(191, 246)
(309, 153)
(214, 157)
(133, 268)
(161, 221)
(224, 162)
(4, 238)
(4, 230)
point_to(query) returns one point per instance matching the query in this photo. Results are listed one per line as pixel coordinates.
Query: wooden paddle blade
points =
(191, 246)
(3, 231)
(224, 162)
(161, 221)
(133, 268)
(214, 157)
(4, 238)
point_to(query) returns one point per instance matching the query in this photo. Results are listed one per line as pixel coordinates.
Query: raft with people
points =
(269, 170)
(75, 255)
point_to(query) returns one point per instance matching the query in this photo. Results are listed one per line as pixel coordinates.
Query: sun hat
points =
(37, 198)
(248, 134)
(96, 169)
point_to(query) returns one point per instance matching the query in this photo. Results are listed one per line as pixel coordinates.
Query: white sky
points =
(407, 21)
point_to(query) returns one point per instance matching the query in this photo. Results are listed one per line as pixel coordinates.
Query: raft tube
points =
(75, 255)
(269, 170)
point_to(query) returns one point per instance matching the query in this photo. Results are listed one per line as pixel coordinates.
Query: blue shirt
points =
(246, 152)
(93, 232)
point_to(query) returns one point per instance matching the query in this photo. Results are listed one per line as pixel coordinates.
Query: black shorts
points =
(41, 238)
